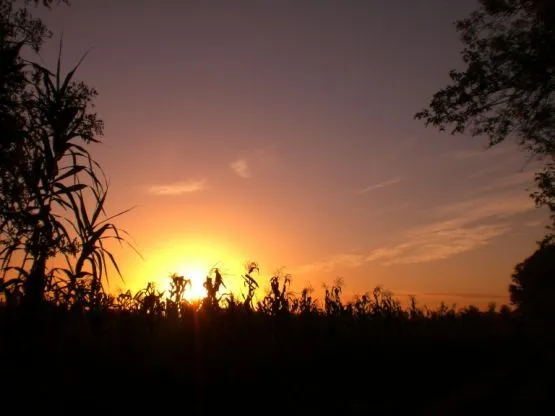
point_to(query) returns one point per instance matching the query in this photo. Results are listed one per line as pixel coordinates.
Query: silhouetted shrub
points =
(533, 287)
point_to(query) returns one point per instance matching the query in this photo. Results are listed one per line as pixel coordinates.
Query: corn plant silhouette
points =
(332, 299)
(384, 304)
(250, 284)
(212, 285)
(52, 173)
(46, 169)
(192, 355)
(150, 300)
(362, 306)
(277, 301)
(125, 302)
(305, 304)
(175, 302)
(92, 256)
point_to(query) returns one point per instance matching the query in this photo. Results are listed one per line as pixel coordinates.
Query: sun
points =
(197, 275)
(193, 260)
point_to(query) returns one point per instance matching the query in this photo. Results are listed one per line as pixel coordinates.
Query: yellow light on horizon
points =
(194, 261)
(197, 275)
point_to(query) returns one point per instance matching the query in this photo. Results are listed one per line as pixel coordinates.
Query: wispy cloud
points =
(440, 241)
(349, 260)
(487, 207)
(178, 188)
(241, 168)
(462, 295)
(380, 185)
(481, 153)
(254, 161)
(533, 224)
(422, 246)
(522, 180)
(459, 227)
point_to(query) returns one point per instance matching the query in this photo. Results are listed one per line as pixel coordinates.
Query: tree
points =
(533, 286)
(507, 89)
(18, 30)
(45, 171)
(545, 196)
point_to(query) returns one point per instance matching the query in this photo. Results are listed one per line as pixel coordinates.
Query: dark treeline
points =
(286, 353)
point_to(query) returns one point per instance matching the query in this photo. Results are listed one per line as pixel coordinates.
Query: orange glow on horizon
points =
(197, 276)
(194, 261)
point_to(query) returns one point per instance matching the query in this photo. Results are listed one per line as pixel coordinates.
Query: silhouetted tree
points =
(45, 119)
(533, 286)
(545, 196)
(507, 88)
(18, 30)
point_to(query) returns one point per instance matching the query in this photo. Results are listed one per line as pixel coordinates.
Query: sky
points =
(283, 132)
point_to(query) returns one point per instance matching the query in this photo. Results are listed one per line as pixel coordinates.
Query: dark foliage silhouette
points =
(507, 89)
(47, 173)
(534, 284)
(290, 350)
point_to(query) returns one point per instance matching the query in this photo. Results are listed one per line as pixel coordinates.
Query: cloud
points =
(487, 207)
(486, 296)
(178, 188)
(241, 168)
(422, 246)
(255, 160)
(522, 180)
(459, 227)
(462, 295)
(350, 260)
(484, 152)
(533, 224)
(441, 243)
(380, 185)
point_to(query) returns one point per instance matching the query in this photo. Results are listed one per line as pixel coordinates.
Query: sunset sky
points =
(282, 132)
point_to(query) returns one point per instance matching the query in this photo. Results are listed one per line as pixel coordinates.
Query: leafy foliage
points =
(507, 87)
(508, 84)
(47, 173)
(545, 196)
(534, 284)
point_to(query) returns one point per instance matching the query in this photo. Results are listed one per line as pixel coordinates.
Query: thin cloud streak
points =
(429, 245)
(241, 168)
(484, 152)
(178, 188)
(462, 295)
(522, 180)
(487, 207)
(533, 224)
(380, 185)
(460, 229)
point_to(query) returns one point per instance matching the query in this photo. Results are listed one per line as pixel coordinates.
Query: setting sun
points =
(193, 260)
(197, 275)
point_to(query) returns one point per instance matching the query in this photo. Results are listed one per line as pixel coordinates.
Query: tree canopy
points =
(507, 87)
(534, 284)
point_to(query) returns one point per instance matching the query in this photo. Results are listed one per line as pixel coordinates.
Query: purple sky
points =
(283, 131)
